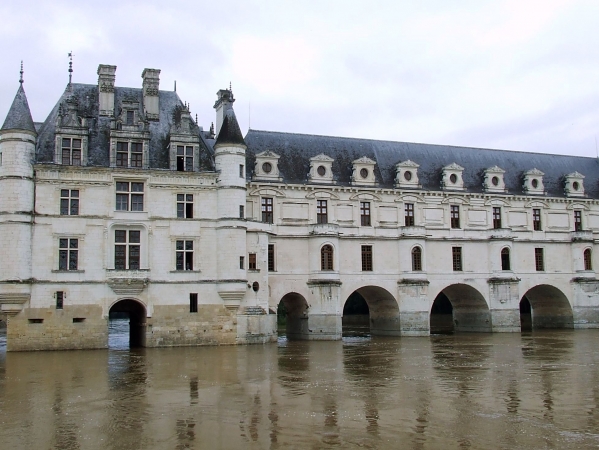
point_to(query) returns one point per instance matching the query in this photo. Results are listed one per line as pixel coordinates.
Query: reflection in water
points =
(533, 391)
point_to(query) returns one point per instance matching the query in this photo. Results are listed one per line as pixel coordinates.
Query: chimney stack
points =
(223, 103)
(151, 83)
(106, 77)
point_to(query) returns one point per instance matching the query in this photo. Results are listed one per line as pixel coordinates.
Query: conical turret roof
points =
(19, 115)
(230, 133)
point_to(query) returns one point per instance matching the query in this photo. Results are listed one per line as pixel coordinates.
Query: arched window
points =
(505, 259)
(416, 259)
(326, 257)
(588, 265)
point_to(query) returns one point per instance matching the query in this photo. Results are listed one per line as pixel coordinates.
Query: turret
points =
(17, 150)
(229, 158)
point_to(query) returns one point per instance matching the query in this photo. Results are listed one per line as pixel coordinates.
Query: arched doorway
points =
(460, 307)
(127, 313)
(292, 316)
(545, 306)
(381, 307)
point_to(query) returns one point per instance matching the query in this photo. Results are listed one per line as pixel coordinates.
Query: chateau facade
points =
(120, 202)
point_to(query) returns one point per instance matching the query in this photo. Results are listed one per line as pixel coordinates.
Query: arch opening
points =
(370, 310)
(292, 317)
(460, 308)
(127, 324)
(545, 307)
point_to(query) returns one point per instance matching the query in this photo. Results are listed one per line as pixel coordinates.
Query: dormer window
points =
(185, 158)
(130, 118)
(71, 151)
(533, 182)
(452, 177)
(321, 169)
(363, 172)
(129, 154)
(267, 166)
(574, 186)
(407, 174)
(494, 181)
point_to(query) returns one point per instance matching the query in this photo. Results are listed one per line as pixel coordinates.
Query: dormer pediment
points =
(321, 169)
(494, 181)
(451, 179)
(363, 172)
(267, 166)
(406, 174)
(533, 182)
(574, 185)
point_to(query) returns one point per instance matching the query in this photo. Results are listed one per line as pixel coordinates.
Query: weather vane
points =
(21, 77)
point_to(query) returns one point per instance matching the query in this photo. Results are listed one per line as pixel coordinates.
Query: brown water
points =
(504, 391)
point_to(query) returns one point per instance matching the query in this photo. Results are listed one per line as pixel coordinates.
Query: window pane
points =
(189, 151)
(74, 243)
(66, 142)
(64, 192)
(180, 150)
(75, 193)
(136, 147)
(189, 197)
(179, 245)
(137, 202)
(180, 209)
(180, 197)
(62, 259)
(122, 187)
(73, 260)
(76, 157)
(76, 143)
(64, 206)
(134, 256)
(122, 202)
(134, 237)
(179, 261)
(66, 156)
(120, 236)
(189, 261)
(119, 256)
(188, 245)
(122, 146)
(64, 243)
(136, 160)
(137, 187)
(74, 206)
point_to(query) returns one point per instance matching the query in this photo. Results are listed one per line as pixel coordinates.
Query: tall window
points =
(129, 154)
(416, 259)
(130, 117)
(252, 264)
(127, 249)
(539, 260)
(456, 253)
(577, 220)
(241, 171)
(496, 217)
(321, 211)
(184, 255)
(242, 211)
(193, 303)
(185, 158)
(365, 214)
(536, 219)
(271, 257)
(68, 254)
(242, 262)
(588, 264)
(71, 152)
(409, 214)
(267, 214)
(367, 258)
(69, 202)
(129, 196)
(455, 216)
(59, 299)
(505, 259)
(185, 206)
(326, 257)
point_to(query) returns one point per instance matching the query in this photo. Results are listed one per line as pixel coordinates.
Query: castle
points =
(120, 202)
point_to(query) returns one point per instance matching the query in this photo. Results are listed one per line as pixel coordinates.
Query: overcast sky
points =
(519, 75)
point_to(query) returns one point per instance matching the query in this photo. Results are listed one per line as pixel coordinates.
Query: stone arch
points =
(137, 313)
(548, 307)
(463, 308)
(383, 310)
(295, 308)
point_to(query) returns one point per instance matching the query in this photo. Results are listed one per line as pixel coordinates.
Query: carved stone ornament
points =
(107, 87)
(127, 286)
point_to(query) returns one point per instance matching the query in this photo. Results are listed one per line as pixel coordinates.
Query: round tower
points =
(229, 157)
(17, 150)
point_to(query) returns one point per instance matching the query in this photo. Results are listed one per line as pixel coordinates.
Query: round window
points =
(364, 173)
(407, 175)
(535, 183)
(321, 171)
(495, 181)
(575, 185)
(255, 286)
(266, 167)
(453, 178)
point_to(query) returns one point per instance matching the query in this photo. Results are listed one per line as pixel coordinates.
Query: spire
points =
(229, 133)
(19, 115)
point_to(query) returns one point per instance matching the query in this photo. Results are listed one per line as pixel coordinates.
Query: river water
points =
(464, 391)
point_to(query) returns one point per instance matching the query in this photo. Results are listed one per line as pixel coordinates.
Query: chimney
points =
(223, 103)
(151, 82)
(106, 89)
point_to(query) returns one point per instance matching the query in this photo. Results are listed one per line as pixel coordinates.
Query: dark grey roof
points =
(85, 96)
(230, 133)
(297, 149)
(19, 115)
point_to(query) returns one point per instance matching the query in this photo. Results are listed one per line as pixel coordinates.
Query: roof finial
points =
(175, 85)
(70, 66)
(21, 77)
(196, 118)
(230, 91)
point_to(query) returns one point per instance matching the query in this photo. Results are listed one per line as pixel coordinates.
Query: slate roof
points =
(19, 115)
(230, 133)
(297, 149)
(86, 97)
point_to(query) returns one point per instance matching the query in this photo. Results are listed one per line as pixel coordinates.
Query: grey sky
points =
(520, 75)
